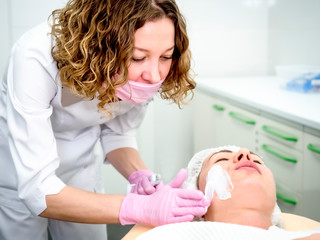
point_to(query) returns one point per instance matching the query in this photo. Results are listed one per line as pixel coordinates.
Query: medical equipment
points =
(218, 181)
(155, 179)
(299, 78)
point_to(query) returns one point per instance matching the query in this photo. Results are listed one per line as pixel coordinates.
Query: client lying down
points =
(243, 201)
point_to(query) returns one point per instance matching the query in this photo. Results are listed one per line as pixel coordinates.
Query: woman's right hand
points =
(169, 204)
(141, 184)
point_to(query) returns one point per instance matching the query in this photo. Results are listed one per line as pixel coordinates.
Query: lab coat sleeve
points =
(121, 131)
(31, 139)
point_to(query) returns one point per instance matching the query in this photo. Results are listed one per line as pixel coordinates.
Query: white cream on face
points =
(218, 181)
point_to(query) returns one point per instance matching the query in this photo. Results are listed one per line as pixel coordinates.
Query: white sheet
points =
(217, 230)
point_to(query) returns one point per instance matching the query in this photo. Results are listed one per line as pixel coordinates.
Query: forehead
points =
(160, 29)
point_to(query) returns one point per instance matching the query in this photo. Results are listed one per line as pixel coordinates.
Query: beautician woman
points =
(88, 77)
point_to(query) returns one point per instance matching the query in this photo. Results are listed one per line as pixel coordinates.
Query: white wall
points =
(16, 17)
(227, 37)
(27, 14)
(294, 33)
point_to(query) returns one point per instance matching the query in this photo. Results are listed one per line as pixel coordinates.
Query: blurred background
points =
(230, 38)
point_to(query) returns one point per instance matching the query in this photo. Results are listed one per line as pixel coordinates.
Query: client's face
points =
(253, 182)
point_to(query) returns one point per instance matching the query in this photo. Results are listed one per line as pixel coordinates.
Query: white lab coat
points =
(44, 142)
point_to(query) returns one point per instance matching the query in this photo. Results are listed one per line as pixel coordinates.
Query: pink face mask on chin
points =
(137, 92)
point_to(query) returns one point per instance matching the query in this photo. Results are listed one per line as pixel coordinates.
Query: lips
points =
(248, 164)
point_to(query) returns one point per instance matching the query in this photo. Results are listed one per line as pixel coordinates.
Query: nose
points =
(242, 154)
(152, 73)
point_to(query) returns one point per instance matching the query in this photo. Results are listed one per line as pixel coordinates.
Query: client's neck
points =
(249, 217)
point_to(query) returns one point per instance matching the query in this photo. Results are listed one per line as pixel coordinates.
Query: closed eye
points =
(167, 57)
(222, 159)
(138, 59)
(257, 161)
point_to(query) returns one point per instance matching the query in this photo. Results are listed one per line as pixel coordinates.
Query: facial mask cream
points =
(218, 181)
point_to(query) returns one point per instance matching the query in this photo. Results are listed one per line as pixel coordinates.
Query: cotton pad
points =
(218, 181)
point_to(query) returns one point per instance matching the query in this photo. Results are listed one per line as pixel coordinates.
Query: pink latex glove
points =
(141, 183)
(169, 204)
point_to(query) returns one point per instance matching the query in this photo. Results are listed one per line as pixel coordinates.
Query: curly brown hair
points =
(94, 40)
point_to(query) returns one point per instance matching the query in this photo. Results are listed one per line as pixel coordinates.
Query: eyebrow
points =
(228, 151)
(145, 50)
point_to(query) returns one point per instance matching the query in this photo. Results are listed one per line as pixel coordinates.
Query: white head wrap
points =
(194, 169)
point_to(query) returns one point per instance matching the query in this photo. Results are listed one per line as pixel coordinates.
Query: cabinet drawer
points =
(311, 183)
(208, 121)
(285, 163)
(288, 200)
(240, 127)
(217, 123)
(282, 134)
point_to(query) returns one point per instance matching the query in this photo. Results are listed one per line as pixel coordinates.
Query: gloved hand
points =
(169, 204)
(141, 183)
